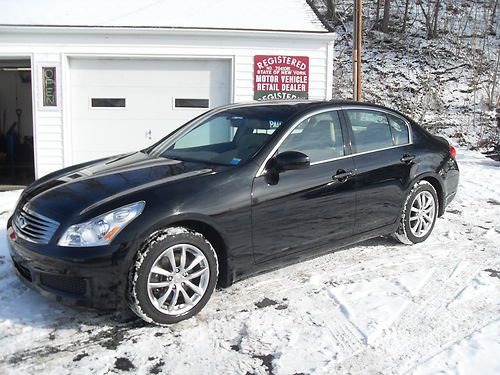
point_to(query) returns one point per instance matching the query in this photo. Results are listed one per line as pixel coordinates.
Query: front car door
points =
(302, 209)
(383, 158)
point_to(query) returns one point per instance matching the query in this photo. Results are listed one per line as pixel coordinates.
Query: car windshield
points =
(230, 137)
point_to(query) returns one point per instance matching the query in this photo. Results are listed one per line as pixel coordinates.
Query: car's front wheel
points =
(173, 276)
(419, 214)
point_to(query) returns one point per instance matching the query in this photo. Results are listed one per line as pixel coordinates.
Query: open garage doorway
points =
(16, 124)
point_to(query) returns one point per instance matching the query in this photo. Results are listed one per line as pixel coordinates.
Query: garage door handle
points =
(342, 176)
(407, 158)
(148, 134)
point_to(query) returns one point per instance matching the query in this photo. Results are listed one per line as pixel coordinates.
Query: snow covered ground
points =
(378, 307)
(447, 84)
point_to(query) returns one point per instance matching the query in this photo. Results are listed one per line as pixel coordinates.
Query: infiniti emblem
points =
(22, 222)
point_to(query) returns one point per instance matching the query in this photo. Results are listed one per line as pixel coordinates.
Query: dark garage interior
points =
(16, 124)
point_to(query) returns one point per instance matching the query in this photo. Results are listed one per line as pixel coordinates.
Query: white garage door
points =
(122, 105)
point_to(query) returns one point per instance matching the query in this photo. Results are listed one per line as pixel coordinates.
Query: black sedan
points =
(238, 190)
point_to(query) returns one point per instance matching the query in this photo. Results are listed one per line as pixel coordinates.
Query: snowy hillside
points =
(378, 307)
(448, 83)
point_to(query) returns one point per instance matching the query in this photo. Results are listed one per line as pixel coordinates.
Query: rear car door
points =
(308, 207)
(382, 154)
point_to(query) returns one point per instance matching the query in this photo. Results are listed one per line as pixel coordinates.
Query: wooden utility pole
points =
(356, 49)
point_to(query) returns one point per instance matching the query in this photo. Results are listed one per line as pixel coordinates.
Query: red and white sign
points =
(281, 77)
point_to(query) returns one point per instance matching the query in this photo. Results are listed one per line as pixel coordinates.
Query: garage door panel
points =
(153, 106)
(90, 137)
(136, 72)
(149, 88)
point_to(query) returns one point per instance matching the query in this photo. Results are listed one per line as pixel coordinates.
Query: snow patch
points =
(475, 354)
(373, 305)
(228, 14)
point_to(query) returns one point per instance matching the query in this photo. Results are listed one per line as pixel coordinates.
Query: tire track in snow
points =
(343, 332)
(425, 321)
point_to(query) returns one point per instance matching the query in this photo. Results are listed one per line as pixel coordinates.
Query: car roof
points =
(305, 105)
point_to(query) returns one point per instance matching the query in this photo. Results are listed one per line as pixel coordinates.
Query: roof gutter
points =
(153, 30)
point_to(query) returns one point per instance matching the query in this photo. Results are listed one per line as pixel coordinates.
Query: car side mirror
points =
(291, 160)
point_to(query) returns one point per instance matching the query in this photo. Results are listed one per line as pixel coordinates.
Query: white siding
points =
(48, 122)
(52, 127)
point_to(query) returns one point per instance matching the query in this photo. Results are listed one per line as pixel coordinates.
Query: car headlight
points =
(102, 229)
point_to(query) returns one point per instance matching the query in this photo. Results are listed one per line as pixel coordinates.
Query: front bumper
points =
(95, 282)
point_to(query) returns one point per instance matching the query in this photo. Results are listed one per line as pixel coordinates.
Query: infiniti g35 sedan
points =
(236, 191)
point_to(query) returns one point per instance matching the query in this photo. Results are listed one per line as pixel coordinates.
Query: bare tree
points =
(493, 16)
(491, 83)
(385, 20)
(436, 18)
(331, 12)
(431, 15)
(377, 14)
(405, 16)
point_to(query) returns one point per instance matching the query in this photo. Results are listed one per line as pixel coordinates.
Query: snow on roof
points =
(286, 15)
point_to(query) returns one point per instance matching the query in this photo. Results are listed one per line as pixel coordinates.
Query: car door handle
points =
(342, 176)
(407, 158)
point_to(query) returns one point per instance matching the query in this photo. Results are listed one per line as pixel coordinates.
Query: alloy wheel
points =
(422, 214)
(178, 279)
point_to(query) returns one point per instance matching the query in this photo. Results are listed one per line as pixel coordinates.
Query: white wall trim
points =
(329, 71)
(34, 112)
(66, 105)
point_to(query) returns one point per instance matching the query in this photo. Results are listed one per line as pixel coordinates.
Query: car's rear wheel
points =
(419, 214)
(173, 277)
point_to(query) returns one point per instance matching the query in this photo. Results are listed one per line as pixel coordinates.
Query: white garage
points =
(112, 76)
(136, 102)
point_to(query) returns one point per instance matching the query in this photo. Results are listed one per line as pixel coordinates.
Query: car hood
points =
(81, 189)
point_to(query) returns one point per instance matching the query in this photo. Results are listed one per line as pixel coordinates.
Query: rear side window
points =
(399, 130)
(319, 137)
(371, 130)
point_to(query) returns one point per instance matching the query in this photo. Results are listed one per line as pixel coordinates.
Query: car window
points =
(371, 130)
(229, 138)
(319, 137)
(399, 130)
(217, 130)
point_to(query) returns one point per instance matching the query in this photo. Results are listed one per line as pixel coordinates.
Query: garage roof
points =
(282, 15)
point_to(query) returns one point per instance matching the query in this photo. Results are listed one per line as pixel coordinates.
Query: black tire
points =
(405, 234)
(139, 297)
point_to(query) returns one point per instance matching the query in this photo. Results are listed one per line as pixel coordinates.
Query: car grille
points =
(73, 285)
(33, 227)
